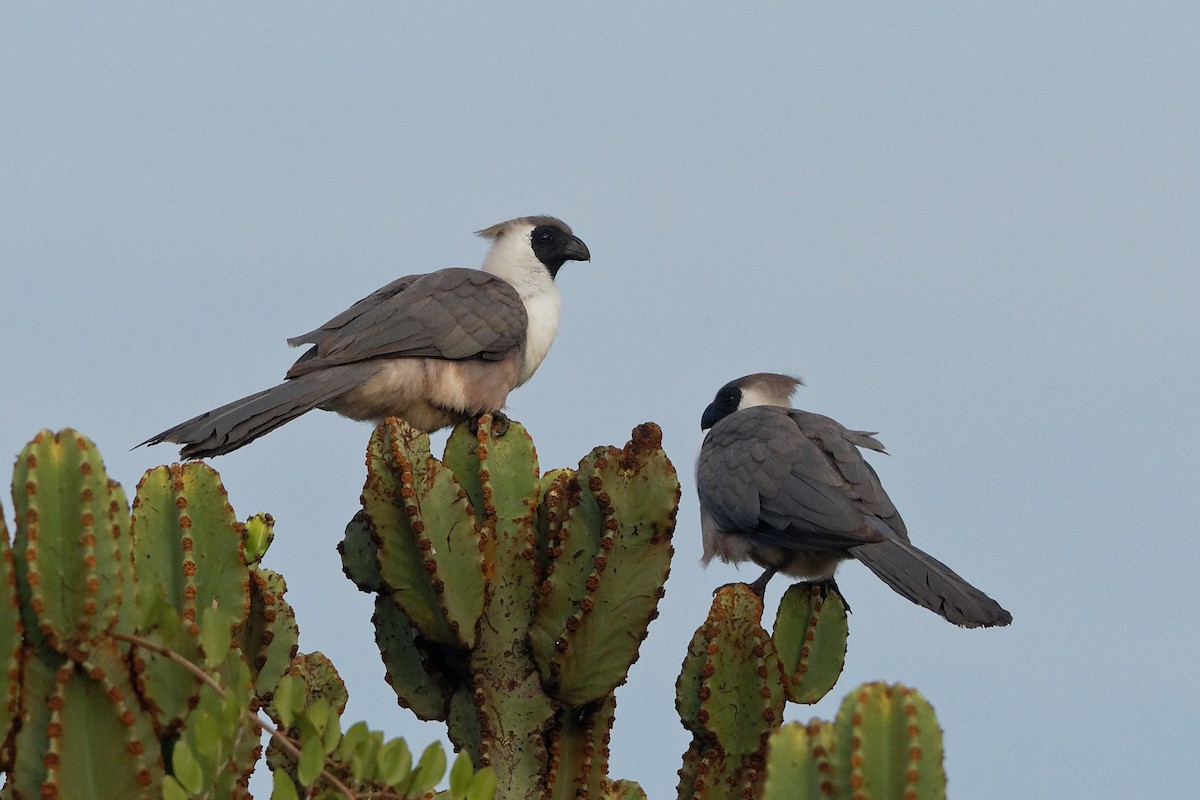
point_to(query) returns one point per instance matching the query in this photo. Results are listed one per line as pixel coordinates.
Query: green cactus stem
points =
(11, 635)
(174, 564)
(730, 695)
(884, 743)
(623, 569)
(810, 634)
(269, 636)
(426, 535)
(71, 538)
(500, 477)
(568, 568)
(138, 647)
(180, 572)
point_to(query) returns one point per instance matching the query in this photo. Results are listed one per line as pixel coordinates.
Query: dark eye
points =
(545, 237)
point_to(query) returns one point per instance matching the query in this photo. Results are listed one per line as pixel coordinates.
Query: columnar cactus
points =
(885, 743)
(136, 650)
(74, 569)
(730, 696)
(510, 604)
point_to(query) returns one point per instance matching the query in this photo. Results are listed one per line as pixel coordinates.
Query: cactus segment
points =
(810, 634)
(11, 630)
(687, 703)
(320, 679)
(798, 763)
(28, 747)
(188, 571)
(69, 539)
(464, 726)
(121, 526)
(635, 493)
(258, 533)
(167, 692)
(889, 743)
(82, 737)
(360, 555)
(462, 459)
(741, 695)
(730, 695)
(884, 743)
(180, 573)
(571, 559)
(548, 551)
(500, 475)
(622, 790)
(268, 639)
(427, 535)
(410, 671)
(579, 750)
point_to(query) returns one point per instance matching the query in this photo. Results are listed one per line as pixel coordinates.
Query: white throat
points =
(511, 258)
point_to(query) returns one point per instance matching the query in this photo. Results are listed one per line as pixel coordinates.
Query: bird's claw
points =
(499, 425)
(830, 585)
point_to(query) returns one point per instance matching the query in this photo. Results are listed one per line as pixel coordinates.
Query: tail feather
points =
(236, 424)
(923, 579)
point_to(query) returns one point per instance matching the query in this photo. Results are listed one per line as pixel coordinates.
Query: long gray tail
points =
(239, 423)
(928, 582)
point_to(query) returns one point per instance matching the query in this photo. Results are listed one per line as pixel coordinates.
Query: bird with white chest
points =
(435, 349)
(790, 491)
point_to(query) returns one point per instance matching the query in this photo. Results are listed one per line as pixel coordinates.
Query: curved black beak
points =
(712, 415)
(576, 250)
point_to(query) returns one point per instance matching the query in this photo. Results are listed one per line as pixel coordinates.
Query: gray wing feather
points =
(923, 579)
(840, 445)
(353, 312)
(759, 474)
(452, 313)
(236, 424)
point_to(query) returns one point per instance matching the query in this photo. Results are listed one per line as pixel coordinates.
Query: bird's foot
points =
(499, 425)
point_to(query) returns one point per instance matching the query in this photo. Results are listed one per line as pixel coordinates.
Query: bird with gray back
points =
(790, 491)
(436, 349)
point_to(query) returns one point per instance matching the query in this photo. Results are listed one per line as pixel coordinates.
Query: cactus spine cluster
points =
(511, 604)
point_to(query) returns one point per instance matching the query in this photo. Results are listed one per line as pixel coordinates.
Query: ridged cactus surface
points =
(885, 743)
(137, 647)
(730, 696)
(810, 634)
(511, 604)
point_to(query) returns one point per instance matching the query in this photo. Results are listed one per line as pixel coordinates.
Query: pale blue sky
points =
(970, 227)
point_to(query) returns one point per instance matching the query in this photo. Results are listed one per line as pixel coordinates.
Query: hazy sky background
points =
(971, 227)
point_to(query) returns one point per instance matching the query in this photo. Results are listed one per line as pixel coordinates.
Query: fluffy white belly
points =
(543, 309)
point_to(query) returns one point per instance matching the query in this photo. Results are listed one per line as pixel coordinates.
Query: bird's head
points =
(759, 389)
(531, 244)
